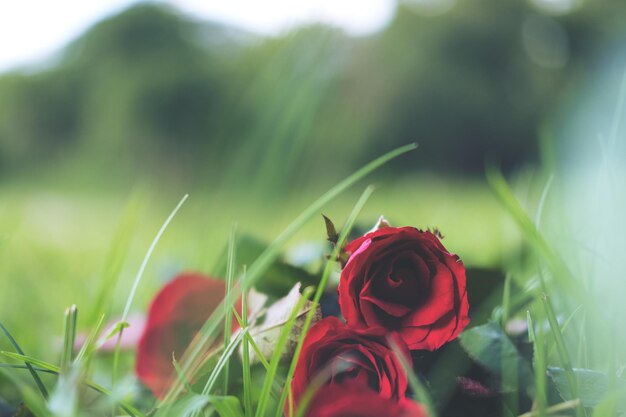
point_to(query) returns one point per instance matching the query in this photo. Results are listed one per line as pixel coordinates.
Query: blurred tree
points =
(151, 87)
(39, 117)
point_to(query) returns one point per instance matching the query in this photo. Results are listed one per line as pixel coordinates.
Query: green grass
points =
(86, 248)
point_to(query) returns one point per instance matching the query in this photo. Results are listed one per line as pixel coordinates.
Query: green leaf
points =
(491, 347)
(186, 405)
(227, 406)
(279, 277)
(592, 385)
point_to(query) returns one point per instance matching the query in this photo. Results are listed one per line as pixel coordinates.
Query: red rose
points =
(356, 358)
(176, 314)
(354, 402)
(403, 279)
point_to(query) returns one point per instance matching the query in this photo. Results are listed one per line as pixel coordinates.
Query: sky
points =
(32, 31)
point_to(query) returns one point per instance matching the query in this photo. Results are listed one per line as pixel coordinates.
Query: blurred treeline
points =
(154, 91)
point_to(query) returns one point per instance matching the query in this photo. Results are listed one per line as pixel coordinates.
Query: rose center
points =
(406, 282)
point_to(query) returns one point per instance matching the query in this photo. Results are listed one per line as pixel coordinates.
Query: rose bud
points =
(341, 355)
(346, 401)
(404, 279)
(176, 314)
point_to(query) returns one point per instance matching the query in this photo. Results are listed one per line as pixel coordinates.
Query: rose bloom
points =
(176, 314)
(404, 279)
(345, 401)
(353, 358)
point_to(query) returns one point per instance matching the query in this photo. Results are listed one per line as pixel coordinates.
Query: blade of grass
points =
(506, 300)
(39, 370)
(221, 363)
(146, 258)
(71, 316)
(529, 325)
(50, 368)
(542, 202)
(206, 334)
(133, 290)
(320, 289)
(118, 251)
(180, 374)
(559, 270)
(567, 405)
(230, 273)
(617, 117)
(251, 342)
(581, 356)
(540, 366)
(247, 378)
(89, 346)
(563, 354)
(416, 385)
(18, 349)
(219, 367)
(565, 325)
(278, 350)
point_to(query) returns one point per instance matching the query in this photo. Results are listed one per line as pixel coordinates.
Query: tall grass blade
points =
(228, 318)
(540, 365)
(146, 258)
(416, 385)
(542, 202)
(245, 356)
(90, 343)
(114, 261)
(133, 290)
(71, 317)
(250, 340)
(18, 349)
(219, 367)
(221, 363)
(563, 354)
(278, 350)
(179, 373)
(528, 228)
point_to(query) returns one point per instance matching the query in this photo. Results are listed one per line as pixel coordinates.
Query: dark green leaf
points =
(491, 347)
(593, 386)
(279, 278)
